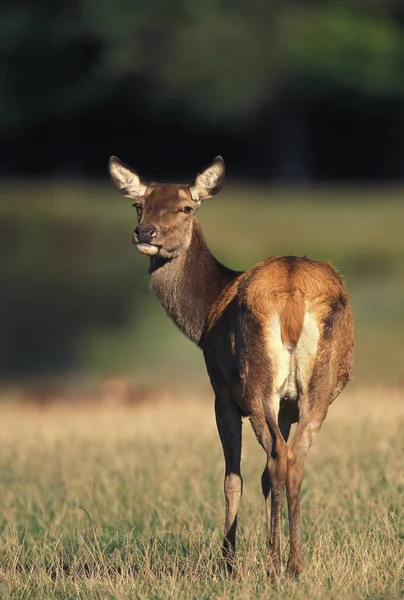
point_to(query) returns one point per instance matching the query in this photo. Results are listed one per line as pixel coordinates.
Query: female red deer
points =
(277, 341)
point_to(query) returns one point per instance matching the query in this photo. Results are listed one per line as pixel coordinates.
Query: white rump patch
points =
(291, 363)
(306, 349)
(282, 363)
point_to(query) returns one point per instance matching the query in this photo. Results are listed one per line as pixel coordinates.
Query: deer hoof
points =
(295, 567)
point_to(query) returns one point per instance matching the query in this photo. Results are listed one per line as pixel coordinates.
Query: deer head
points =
(165, 212)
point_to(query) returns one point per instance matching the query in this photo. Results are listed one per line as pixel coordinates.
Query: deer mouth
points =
(149, 249)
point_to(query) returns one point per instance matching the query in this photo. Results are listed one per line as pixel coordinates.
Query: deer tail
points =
(292, 318)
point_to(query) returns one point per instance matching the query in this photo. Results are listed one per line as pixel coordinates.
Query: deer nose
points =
(145, 234)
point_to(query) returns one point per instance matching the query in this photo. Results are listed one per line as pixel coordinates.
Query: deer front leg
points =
(228, 420)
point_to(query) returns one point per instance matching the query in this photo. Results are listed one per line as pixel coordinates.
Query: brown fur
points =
(277, 342)
(292, 318)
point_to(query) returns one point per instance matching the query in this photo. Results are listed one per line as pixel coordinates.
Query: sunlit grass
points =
(108, 501)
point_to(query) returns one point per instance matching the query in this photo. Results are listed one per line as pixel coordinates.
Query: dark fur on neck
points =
(188, 285)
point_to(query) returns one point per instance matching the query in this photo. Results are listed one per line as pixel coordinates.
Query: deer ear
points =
(209, 181)
(126, 181)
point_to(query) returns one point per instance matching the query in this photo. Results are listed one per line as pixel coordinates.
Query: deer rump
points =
(279, 315)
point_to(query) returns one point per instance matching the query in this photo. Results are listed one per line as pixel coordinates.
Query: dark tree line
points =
(289, 90)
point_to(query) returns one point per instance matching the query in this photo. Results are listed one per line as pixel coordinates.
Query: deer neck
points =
(187, 286)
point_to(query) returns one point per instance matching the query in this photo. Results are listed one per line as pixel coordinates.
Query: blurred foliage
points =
(360, 48)
(63, 274)
(291, 89)
(74, 296)
(215, 60)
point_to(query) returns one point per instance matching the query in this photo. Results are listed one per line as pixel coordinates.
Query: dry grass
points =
(126, 502)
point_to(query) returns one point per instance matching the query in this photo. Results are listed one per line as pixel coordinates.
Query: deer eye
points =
(186, 209)
(137, 207)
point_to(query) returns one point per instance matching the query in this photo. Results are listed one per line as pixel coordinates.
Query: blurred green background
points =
(75, 297)
(305, 101)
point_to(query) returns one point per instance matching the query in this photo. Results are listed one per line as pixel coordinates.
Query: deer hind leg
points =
(228, 420)
(313, 409)
(273, 480)
(344, 373)
(296, 455)
(329, 376)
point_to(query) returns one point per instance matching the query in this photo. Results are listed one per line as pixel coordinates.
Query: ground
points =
(109, 500)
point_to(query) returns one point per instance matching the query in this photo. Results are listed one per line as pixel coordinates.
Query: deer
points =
(277, 339)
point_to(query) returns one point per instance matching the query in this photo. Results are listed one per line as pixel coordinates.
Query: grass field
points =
(111, 501)
(101, 499)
